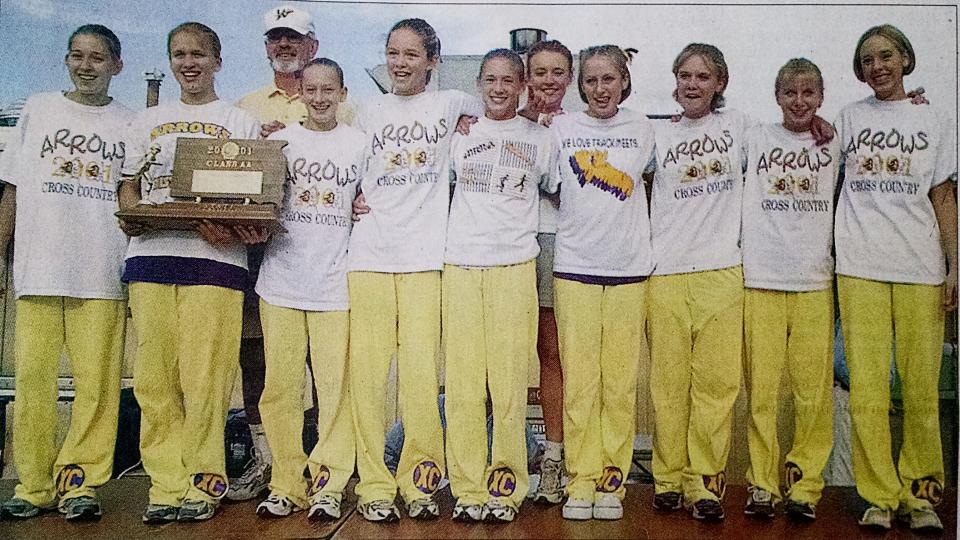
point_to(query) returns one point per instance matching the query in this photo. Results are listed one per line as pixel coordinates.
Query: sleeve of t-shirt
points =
(843, 131)
(251, 128)
(550, 181)
(359, 116)
(137, 144)
(747, 123)
(465, 104)
(946, 167)
(11, 156)
(454, 156)
(648, 147)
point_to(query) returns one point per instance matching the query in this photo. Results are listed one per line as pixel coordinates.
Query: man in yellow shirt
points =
(290, 41)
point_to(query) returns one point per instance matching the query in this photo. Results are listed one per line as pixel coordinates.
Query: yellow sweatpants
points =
(600, 329)
(92, 332)
(396, 314)
(792, 332)
(695, 331)
(188, 343)
(286, 335)
(489, 324)
(874, 315)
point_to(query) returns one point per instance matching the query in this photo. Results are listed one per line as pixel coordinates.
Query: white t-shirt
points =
(406, 183)
(894, 154)
(500, 168)
(549, 205)
(697, 191)
(156, 131)
(65, 161)
(788, 210)
(604, 227)
(306, 267)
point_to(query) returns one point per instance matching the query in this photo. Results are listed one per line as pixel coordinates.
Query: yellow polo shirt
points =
(271, 103)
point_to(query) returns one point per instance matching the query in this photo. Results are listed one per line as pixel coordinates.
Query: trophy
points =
(227, 181)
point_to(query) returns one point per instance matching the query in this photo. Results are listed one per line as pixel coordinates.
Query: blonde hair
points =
(712, 55)
(614, 54)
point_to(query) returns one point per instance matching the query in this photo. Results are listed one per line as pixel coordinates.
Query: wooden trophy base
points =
(183, 215)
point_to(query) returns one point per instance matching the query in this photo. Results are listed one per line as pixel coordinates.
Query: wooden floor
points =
(124, 500)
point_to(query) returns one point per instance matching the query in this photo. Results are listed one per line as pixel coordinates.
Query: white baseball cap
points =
(288, 17)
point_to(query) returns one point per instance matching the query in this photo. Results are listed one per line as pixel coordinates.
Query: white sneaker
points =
(607, 506)
(498, 512)
(876, 518)
(922, 519)
(254, 480)
(423, 508)
(467, 512)
(380, 511)
(277, 506)
(324, 507)
(550, 489)
(578, 509)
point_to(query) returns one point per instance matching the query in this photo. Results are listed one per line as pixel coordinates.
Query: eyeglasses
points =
(292, 37)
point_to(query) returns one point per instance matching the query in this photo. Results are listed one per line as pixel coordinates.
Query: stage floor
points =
(123, 501)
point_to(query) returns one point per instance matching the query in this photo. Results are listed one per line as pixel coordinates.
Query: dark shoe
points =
(196, 510)
(668, 501)
(707, 510)
(801, 511)
(83, 508)
(158, 514)
(759, 503)
(17, 508)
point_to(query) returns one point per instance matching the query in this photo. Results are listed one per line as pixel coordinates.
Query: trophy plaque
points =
(226, 181)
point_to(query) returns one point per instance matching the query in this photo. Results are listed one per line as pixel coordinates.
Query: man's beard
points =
(285, 66)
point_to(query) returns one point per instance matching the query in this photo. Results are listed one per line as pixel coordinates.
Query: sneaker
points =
(578, 509)
(423, 508)
(759, 503)
(196, 510)
(607, 506)
(324, 507)
(921, 519)
(467, 512)
(157, 514)
(83, 508)
(550, 490)
(277, 506)
(498, 512)
(800, 511)
(379, 511)
(668, 501)
(707, 510)
(17, 508)
(876, 518)
(254, 480)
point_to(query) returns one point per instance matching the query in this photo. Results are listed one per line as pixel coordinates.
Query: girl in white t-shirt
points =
(696, 293)
(394, 261)
(61, 173)
(489, 292)
(788, 302)
(549, 74)
(896, 226)
(186, 291)
(603, 258)
(303, 303)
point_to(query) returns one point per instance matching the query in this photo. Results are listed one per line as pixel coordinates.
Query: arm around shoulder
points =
(944, 201)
